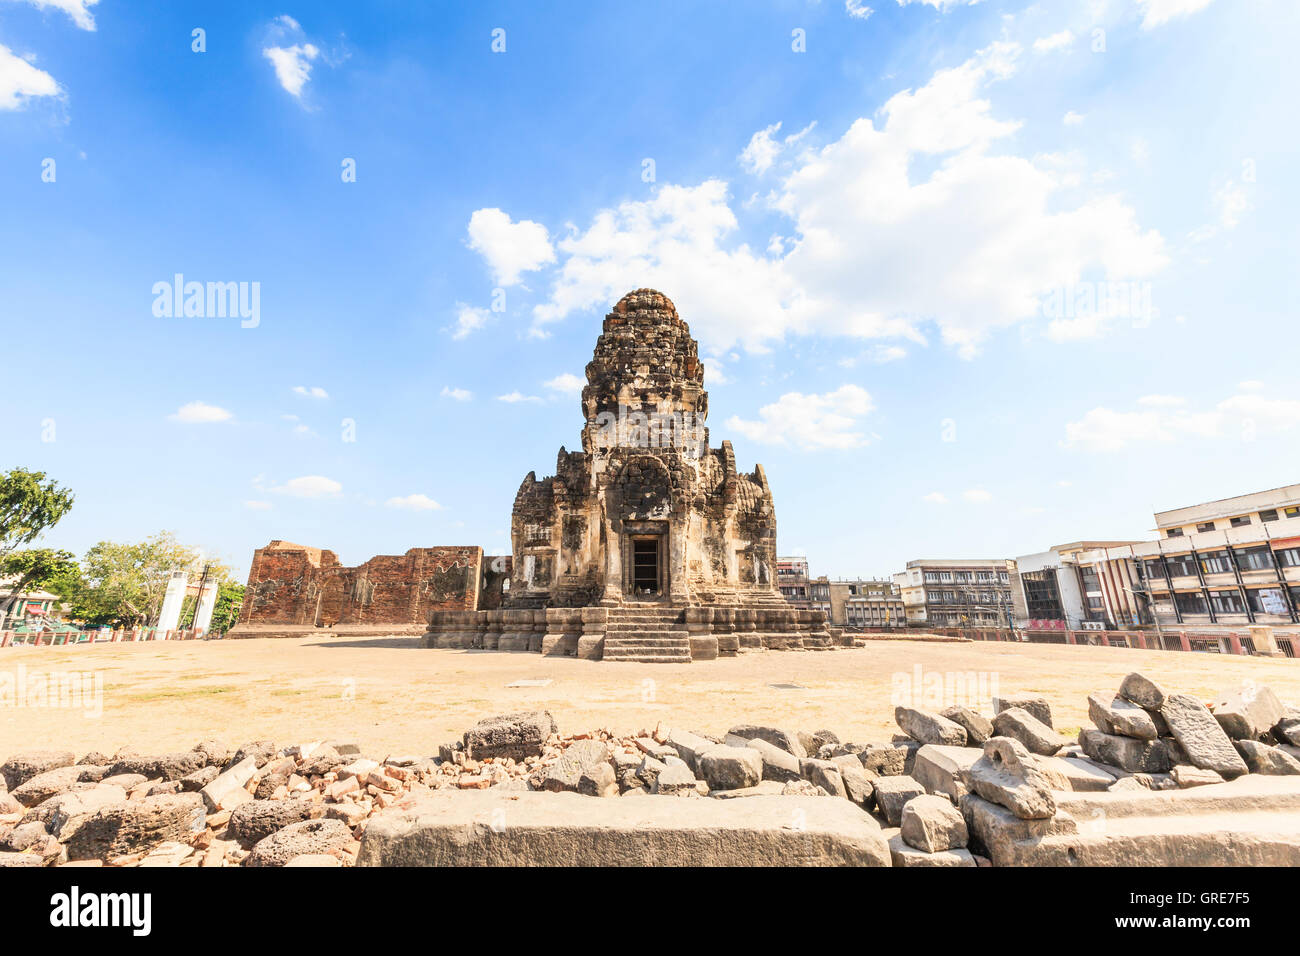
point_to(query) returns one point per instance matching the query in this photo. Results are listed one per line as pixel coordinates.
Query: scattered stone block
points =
(20, 768)
(1127, 753)
(1199, 734)
(858, 785)
(196, 781)
(675, 780)
(902, 855)
(689, 746)
(978, 727)
(255, 821)
(929, 728)
(1008, 775)
(778, 765)
(891, 759)
(892, 794)
(786, 740)
(227, 790)
(1185, 775)
(41, 787)
(1287, 731)
(1249, 713)
(1261, 758)
(1075, 774)
(731, 768)
(1034, 703)
(932, 824)
(1142, 691)
(137, 826)
(310, 837)
(518, 736)
(1020, 724)
(824, 774)
(1121, 717)
(942, 770)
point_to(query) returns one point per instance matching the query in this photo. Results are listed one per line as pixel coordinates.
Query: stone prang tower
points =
(647, 544)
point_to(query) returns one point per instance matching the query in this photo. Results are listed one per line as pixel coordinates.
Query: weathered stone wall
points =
(293, 584)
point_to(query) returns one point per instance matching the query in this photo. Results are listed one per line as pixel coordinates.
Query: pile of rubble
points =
(956, 788)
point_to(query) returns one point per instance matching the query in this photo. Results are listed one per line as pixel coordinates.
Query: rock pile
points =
(957, 788)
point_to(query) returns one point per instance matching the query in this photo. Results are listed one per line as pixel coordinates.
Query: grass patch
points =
(179, 693)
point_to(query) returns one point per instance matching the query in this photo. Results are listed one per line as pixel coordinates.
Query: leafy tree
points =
(35, 568)
(29, 505)
(125, 583)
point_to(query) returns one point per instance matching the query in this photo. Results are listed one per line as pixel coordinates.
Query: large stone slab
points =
(518, 736)
(927, 728)
(1249, 713)
(562, 829)
(1142, 691)
(1121, 717)
(785, 739)
(942, 770)
(1034, 703)
(1007, 774)
(1020, 724)
(1203, 741)
(137, 825)
(1127, 753)
(1251, 821)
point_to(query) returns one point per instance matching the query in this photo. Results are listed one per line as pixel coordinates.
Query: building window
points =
(1292, 512)
(1174, 533)
(1227, 602)
(1255, 559)
(1288, 557)
(1240, 521)
(1205, 526)
(1266, 601)
(1181, 566)
(1216, 562)
(1190, 602)
(1270, 515)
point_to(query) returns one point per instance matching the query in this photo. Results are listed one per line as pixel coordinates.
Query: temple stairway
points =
(647, 633)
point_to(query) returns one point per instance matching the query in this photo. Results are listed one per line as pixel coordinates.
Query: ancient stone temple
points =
(646, 544)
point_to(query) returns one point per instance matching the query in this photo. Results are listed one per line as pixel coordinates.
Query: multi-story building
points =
(943, 593)
(34, 603)
(792, 579)
(866, 603)
(1235, 561)
(1047, 592)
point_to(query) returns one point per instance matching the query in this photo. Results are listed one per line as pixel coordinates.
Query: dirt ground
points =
(394, 697)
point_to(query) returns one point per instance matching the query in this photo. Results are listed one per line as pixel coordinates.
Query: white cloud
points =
(936, 498)
(1162, 401)
(19, 81)
(810, 422)
(315, 391)
(1247, 415)
(78, 10)
(1159, 12)
(909, 219)
(310, 486)
(469, 319)
(459, 394)
(257, 505)
(1231, 201)
(1057, 41)
(977, 496)
(761, 152)
(292, 65)
(857, 9)
(199, 413)
(517, 396)
(566, 384)
(415, 502)
(510, 248)
(1071, 118)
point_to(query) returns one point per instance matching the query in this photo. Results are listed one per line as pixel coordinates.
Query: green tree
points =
(32, 569)
(30, 504)
(125, 583)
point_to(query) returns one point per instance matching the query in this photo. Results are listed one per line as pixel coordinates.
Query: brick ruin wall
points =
(294, 585)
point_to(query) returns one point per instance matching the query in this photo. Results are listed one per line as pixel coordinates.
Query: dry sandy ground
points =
(392, 696)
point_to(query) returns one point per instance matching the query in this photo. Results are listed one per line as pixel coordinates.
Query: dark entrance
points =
(645, 566)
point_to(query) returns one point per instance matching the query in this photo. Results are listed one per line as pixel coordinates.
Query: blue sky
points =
(1005, 275)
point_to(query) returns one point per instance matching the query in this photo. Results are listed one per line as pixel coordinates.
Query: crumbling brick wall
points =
(292, 584)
